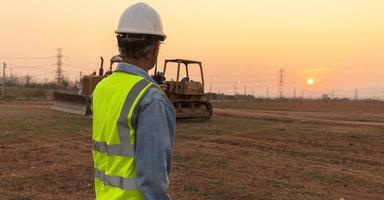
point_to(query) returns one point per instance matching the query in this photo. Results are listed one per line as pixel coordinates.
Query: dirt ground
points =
(311, 150)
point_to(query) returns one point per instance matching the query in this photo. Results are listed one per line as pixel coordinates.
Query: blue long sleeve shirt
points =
(155, 130)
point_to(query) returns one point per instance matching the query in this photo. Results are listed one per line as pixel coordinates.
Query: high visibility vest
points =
(114, 102)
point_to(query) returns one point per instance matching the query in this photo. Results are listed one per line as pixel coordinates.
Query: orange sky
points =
(338, 43)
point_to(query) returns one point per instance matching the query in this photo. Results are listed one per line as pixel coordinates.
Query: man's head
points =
(139, 34)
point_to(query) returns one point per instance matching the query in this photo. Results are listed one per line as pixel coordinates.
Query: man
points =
(133, 121)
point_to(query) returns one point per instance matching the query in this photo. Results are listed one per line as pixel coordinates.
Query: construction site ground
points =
(248, 150)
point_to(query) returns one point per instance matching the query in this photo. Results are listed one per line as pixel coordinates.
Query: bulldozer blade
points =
(71, 103)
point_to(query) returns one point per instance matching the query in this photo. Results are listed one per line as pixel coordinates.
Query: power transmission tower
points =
(235, 90)
(3, 90)
(268, 92)
(59, 71)
(281, 82)
(356, 94)
(294, 93)
(81, 76)
(245, 90)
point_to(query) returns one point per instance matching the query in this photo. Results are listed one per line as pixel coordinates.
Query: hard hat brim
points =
(122, 31)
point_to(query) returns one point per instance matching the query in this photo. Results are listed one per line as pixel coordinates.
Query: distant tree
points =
(325, 97)
(28, 79)
(12, 81)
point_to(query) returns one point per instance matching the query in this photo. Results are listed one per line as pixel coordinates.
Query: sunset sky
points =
(337, 43)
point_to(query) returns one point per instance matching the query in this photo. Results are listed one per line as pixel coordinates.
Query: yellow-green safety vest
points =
(113, 103)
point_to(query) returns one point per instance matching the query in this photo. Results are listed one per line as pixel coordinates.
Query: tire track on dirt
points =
(225, 147)
(280, 117)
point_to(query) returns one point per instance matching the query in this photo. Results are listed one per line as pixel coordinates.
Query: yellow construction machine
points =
(186, 95)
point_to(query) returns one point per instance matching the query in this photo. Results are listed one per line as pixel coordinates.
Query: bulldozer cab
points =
(184, 85)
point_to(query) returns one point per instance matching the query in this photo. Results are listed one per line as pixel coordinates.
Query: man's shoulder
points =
(154, 94)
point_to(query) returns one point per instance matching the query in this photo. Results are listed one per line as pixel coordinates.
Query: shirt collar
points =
(126, 67)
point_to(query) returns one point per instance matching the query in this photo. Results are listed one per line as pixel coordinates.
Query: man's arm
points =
(154, 141)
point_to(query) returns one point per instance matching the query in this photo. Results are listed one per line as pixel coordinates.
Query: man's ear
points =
(153, 51)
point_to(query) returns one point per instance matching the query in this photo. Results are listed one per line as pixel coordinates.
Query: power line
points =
(25, 58)
(81, 60)
(42, 74)
(29, 66)
(237, 75)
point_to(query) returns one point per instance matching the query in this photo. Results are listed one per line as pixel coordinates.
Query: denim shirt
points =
(155, 131)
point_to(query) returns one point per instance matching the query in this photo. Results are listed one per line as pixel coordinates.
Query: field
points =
(265, 150)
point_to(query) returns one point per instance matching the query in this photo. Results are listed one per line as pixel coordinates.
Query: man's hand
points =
(164, 87)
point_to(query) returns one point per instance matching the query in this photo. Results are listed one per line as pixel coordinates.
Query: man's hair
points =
(136, 46)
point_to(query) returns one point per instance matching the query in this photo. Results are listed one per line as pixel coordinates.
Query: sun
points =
(310, 81)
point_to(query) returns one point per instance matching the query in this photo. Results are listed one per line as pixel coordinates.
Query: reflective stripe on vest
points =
(116, 181)
(124, 148)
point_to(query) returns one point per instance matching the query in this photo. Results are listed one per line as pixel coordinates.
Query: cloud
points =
(321, 69)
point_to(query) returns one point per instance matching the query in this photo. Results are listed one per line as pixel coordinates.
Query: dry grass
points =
(46, 155)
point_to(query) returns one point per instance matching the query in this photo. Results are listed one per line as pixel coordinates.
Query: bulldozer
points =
(187, 96)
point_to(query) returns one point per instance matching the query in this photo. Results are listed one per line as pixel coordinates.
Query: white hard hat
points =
(140, 18)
